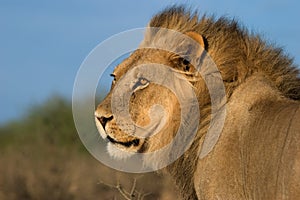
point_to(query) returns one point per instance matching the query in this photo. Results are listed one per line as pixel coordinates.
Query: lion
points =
(257, 155)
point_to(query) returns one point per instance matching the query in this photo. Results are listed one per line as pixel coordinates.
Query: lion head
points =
(153, 108)
(145, 94)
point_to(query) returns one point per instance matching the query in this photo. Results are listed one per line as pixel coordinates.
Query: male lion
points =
(257, 155)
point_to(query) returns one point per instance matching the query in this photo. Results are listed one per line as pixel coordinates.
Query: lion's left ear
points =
(199, 39)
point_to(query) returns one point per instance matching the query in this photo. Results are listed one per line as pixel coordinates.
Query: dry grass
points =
(31, 173)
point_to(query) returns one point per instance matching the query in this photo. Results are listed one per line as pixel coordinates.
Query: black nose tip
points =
(104, 120)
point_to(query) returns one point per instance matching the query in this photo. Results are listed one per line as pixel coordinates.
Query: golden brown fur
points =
(258, 153)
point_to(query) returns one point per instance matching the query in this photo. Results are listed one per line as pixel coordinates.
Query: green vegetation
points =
(42, 157)
(50, 123)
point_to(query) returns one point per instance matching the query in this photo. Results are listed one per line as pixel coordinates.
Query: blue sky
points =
(43, 43)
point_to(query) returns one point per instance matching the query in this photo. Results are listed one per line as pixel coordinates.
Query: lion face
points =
(145, 96)
(154, 111)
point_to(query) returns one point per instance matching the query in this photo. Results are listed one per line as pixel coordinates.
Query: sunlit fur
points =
(258, 153)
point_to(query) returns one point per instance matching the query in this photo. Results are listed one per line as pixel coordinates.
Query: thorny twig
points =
(134, 194)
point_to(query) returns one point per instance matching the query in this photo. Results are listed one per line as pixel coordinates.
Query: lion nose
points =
(103, 120)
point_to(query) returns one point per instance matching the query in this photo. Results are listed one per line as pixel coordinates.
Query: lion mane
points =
(258, 153)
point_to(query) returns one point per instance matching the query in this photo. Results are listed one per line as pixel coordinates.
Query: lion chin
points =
(118, 153)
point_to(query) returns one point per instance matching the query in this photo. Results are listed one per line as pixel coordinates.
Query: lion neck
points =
(254, 90)
(257, 89)
(183, 169)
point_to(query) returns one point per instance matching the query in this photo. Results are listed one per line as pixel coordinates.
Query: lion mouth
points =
(134, 142)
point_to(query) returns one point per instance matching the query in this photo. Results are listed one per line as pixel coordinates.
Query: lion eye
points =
(143, 81)
(140, 84)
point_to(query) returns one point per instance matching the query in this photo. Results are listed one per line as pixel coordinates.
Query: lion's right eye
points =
(143, 81)
(140, 84)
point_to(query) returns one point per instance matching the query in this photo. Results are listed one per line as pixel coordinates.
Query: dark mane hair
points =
(237, 53)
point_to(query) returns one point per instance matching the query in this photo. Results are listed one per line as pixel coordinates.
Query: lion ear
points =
(198, 38)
